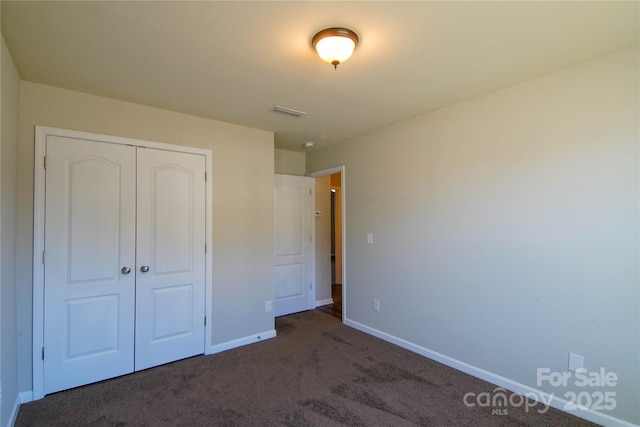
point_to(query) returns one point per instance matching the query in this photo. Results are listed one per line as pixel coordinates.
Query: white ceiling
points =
(233, 61)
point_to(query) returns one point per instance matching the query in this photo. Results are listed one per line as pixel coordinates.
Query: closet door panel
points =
(89, 240)
(170, 272)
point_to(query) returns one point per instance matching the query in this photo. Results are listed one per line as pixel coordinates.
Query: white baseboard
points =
(26, 396)
(14, 412)
(322, 302)
(540, 396)
(217, 348)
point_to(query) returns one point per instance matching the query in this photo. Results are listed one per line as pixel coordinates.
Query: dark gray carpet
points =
(317, 372)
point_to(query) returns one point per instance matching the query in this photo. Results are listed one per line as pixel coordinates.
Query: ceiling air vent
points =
(288, 111)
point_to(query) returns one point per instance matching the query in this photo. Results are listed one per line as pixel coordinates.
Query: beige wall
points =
(242, 204)
(289, 162)
(506, 227)
(10, 91)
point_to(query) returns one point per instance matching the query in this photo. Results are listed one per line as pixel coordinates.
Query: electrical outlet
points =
(369, 238)
(267, 306)
(376, 305)
(575, 362)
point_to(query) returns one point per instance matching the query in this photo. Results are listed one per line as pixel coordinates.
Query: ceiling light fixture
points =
(335, 45)
(308, 144)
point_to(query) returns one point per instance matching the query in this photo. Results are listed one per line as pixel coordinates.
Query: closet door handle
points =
(125, 270)
(144, 268)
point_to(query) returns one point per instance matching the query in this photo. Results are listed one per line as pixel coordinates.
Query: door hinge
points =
(205, 248)
(45, 162)
(43, 252)
(42, 353)
(205, 176)
(205, 320)
(309, 285)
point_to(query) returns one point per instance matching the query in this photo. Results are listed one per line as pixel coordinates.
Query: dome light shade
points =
(335, 45)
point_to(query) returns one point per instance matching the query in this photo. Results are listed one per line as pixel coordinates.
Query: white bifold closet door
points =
(124, 260)
(171, 257)
(90, 234)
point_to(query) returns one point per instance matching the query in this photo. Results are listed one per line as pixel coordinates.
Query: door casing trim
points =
(330, 171)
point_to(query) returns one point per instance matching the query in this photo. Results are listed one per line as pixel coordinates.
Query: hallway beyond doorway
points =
(334, 309)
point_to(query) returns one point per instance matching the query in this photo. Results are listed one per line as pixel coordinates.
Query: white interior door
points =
(293, 244)
(170, 288)
(89, 245)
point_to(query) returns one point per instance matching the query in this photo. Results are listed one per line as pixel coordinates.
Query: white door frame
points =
(41, 134)
(343, 180)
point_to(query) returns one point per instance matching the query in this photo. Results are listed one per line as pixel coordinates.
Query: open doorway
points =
(336, 243)
(329, 238)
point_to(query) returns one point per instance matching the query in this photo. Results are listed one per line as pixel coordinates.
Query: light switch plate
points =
(575, 362)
